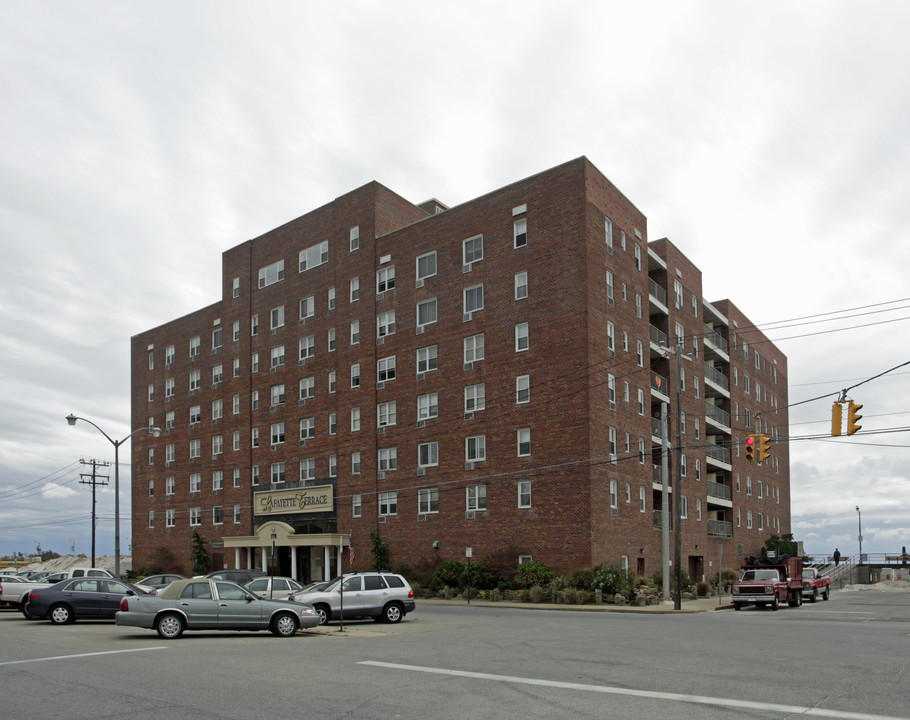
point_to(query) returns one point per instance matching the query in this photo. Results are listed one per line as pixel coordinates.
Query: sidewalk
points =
(699, 605)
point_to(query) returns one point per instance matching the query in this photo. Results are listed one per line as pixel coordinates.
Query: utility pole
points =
(95, 481)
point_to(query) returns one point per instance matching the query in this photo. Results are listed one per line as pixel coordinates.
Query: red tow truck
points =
(769, 580)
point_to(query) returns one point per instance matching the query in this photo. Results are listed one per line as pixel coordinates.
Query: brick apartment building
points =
(489, 376)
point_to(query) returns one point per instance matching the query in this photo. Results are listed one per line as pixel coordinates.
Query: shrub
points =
(702, 589)
(611, 581)
(581, 579)
(538, 594)
(481, 575)
(448, 573)
(534, 573)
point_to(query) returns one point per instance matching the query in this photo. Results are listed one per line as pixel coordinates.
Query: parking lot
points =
(845, 659)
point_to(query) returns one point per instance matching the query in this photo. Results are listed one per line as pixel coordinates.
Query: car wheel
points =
(392, 613)
(825, 594)
(775, 603)
(324, 614)
(284, 625)
(169, 626)
(814, 597)
(23, 608)
(61, 614)
(737, 606)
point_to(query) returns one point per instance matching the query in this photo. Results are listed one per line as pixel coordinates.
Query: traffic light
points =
(853, 417)
(835, 419)
(764, 448)
(750, 449)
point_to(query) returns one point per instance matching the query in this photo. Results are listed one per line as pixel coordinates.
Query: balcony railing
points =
(720, 528)
(660, 383)
(658, 337)
(655, 427)
(718, 490)
(657, 291)
(716, 339)
(719, 453)
(718, 415)
(717, 377)
(658, 524)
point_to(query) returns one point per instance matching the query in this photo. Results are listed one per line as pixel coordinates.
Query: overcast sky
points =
(138, 141)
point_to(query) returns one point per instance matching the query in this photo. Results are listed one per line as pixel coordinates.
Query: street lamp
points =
(156, 431)
(860, 521)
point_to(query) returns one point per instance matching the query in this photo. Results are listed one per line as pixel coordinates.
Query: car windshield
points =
(808, 574)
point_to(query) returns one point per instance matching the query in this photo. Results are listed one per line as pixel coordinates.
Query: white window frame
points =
(314, 256)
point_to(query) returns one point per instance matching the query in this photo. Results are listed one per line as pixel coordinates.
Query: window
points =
(426, 266)
(195, 517)
(354, 238)
(355, 289)
(236, 440)
(217, 374)
(307, 469)
(677, 294)
(151, 456)
(235, 367)
(236, 330)
(428, 454)
(169, 354)
(254, 362)
(307, 307)
(307, 388)
(640, 353)
(151, 488)
(520, 232)
(307, 347)
(169, 388)
(611, 339)
(355, 375)
(524, 493)
(217, 480)
(271, 274)
(385, 279)
(476, 497)
(331, 298)
(642, 502)
(355, 332)
(169, 453)
(521, 337)
(427, 406)
(277, 472)
(332, 381)
(195, 380)
(428, 501)
(476, 448)
(254, 399)
(333, 423)
(277, 356)
(386, 414)
(276, 318)
(355, 419)
(388, 459)
(331, 340)
(195, 346)
(426, 359)
(522, 389)
(169, 485)
(524, 442)
(473, 249)
(638, 257)
(473, 348)
(473, 299)
(195, 449)
(254, 475)
(169, 420)
(385, 369)
(314, 256)
(195, 482)
(608, 234)
(475, 398)
(388, 503)
(235, 287)
(356, 506)
(307, 428)
(685, 507)
(152, 392)
(426, 312)
(521, 285)
(355, 463)
(169, 518)
(610, 298)
(333, 466)
(254, 437)
(614, 500)
(195, 415)
(254, 325)
(236, 514)
(277, 433)
(385, 324)
(217, 335)
(217, 409)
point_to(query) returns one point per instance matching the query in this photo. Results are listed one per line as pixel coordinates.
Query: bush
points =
(702, 589)
(481, 575)
(581, 579)
(538, 594)
(611, 581)
(534, 573)
(448, 573)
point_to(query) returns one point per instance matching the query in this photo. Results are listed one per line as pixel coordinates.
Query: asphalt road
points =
(847, 658)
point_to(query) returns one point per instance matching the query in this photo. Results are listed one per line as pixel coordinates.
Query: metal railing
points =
(720, 528)
(714, 338)
(657, 291)
(717, 414)
(717, 377)
(660, 383)
(718, 490)
(718, 453)
(659, 337)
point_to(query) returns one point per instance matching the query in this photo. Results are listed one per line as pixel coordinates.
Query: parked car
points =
(273, 587)
(241, 577)
(75, 573)
(206, 604)
(157, 582)
(78, 599)
(14, 590)
(385, 597)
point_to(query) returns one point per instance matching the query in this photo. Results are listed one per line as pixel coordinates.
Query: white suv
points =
(385, 597)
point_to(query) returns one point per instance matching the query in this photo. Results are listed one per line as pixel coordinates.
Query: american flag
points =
(351, 549)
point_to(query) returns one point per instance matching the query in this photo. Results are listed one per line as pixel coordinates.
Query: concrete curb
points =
(664, 608)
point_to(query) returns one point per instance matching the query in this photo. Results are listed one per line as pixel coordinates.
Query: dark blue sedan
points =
(78, 599)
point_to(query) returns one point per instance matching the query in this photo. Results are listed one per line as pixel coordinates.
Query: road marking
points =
(81, 655)
(650, 694)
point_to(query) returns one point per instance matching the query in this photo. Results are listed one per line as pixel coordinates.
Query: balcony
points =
(658, 523)
(716, 380)
(719, 454)
(718, 490)
(660, 385)
(659, 337)
(657, 297)
(655, 427)
(718, 417)
(720, 528)
(714, 341)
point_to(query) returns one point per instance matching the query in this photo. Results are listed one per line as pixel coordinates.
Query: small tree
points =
(199, 555)
(534, 573)
(380, 550)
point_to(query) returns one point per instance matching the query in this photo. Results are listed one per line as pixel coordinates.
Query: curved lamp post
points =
(71, 419)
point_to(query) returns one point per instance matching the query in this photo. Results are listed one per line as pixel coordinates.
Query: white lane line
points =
(81, 655)
(675, 697)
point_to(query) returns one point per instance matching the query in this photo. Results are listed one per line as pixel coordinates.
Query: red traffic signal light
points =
(750, 449)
